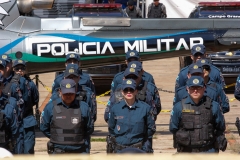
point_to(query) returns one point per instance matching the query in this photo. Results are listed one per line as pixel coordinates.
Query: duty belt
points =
(195, 149)
(136, 145)
(60, 151)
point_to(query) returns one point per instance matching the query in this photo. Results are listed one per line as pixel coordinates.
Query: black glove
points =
(237, 124)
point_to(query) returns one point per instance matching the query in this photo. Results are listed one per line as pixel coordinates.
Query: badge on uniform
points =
(72, 56)
(195, 81)
(129, 82)
(118, 128)
(133, 65)
(75, 120)
(198, 49)
(132, 70)
(132, 54)
(195, 67)
(4, 57)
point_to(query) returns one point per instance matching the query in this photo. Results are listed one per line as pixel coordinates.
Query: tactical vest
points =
(156, 11)
(132, 13)
(82, 96)
(196, 125)
(142, 93)
(28, 109)
(67, 127)
(7, 89)
(118, 95)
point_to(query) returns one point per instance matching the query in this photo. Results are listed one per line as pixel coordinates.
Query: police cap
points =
(135, 64)
(203, 62)
(194, 68)
(73, 56)
(19, 61)
(68, 86)
(6, 57)
(71, 69)
(128, 83)
(130, 71)
(195, 81)
(198, 48)
(130, 3)
(131, 54)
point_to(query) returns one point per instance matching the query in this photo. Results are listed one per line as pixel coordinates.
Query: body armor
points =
(156, 11)
(132, 13)
(67, 126)
(196, 125)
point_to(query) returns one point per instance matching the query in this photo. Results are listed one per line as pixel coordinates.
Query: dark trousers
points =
(29, 140)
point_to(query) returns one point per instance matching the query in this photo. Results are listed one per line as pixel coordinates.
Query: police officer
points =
(199, 52)
(147, 92)
(131, 122)
(157, 10)
(67, 122)
(197, 121)
(237, 89)
(11, 134)
(131, 56)
(83, 93)
(29, 122)
(73, 58)
(8, 74)
(132, 11)
(213, 90)
(222, 98)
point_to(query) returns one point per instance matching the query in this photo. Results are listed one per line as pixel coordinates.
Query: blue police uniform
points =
(237, 89)
(89, 96)
(48, 123)
(213, 90)
(132, 126)
(133, 64)
(13, 123)
(31, 97)
(90, 99)
(85, 79)
(215, 93)
(47, 116)
(179, 115)
(215, 74)
(151, 95)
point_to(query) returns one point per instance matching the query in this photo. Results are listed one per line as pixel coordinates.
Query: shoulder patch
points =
(112, 84)
(172, 112)
(42, 113)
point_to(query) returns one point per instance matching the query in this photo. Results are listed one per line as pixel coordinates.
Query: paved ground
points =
(164, 72)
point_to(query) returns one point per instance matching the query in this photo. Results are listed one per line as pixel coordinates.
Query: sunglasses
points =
(126, 90)
(198, 54)
(193, 88)
(20, 68)
(132, 77)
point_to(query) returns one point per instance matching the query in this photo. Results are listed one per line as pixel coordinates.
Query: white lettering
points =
(167, 41)
(54, 52)
(134, 46)
(148, 49)
(158, 44)
(198, 39)
(180, 43)
(85, 48)
(98, 47)
(41, 49)
(109, 46)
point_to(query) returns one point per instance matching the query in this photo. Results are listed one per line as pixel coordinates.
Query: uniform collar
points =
(190, 101)
(133, 106)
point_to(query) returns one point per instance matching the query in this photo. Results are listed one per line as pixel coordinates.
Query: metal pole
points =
(37, 113)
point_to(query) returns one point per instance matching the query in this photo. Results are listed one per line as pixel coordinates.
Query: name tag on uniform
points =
(188, 111)
(118, 117)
